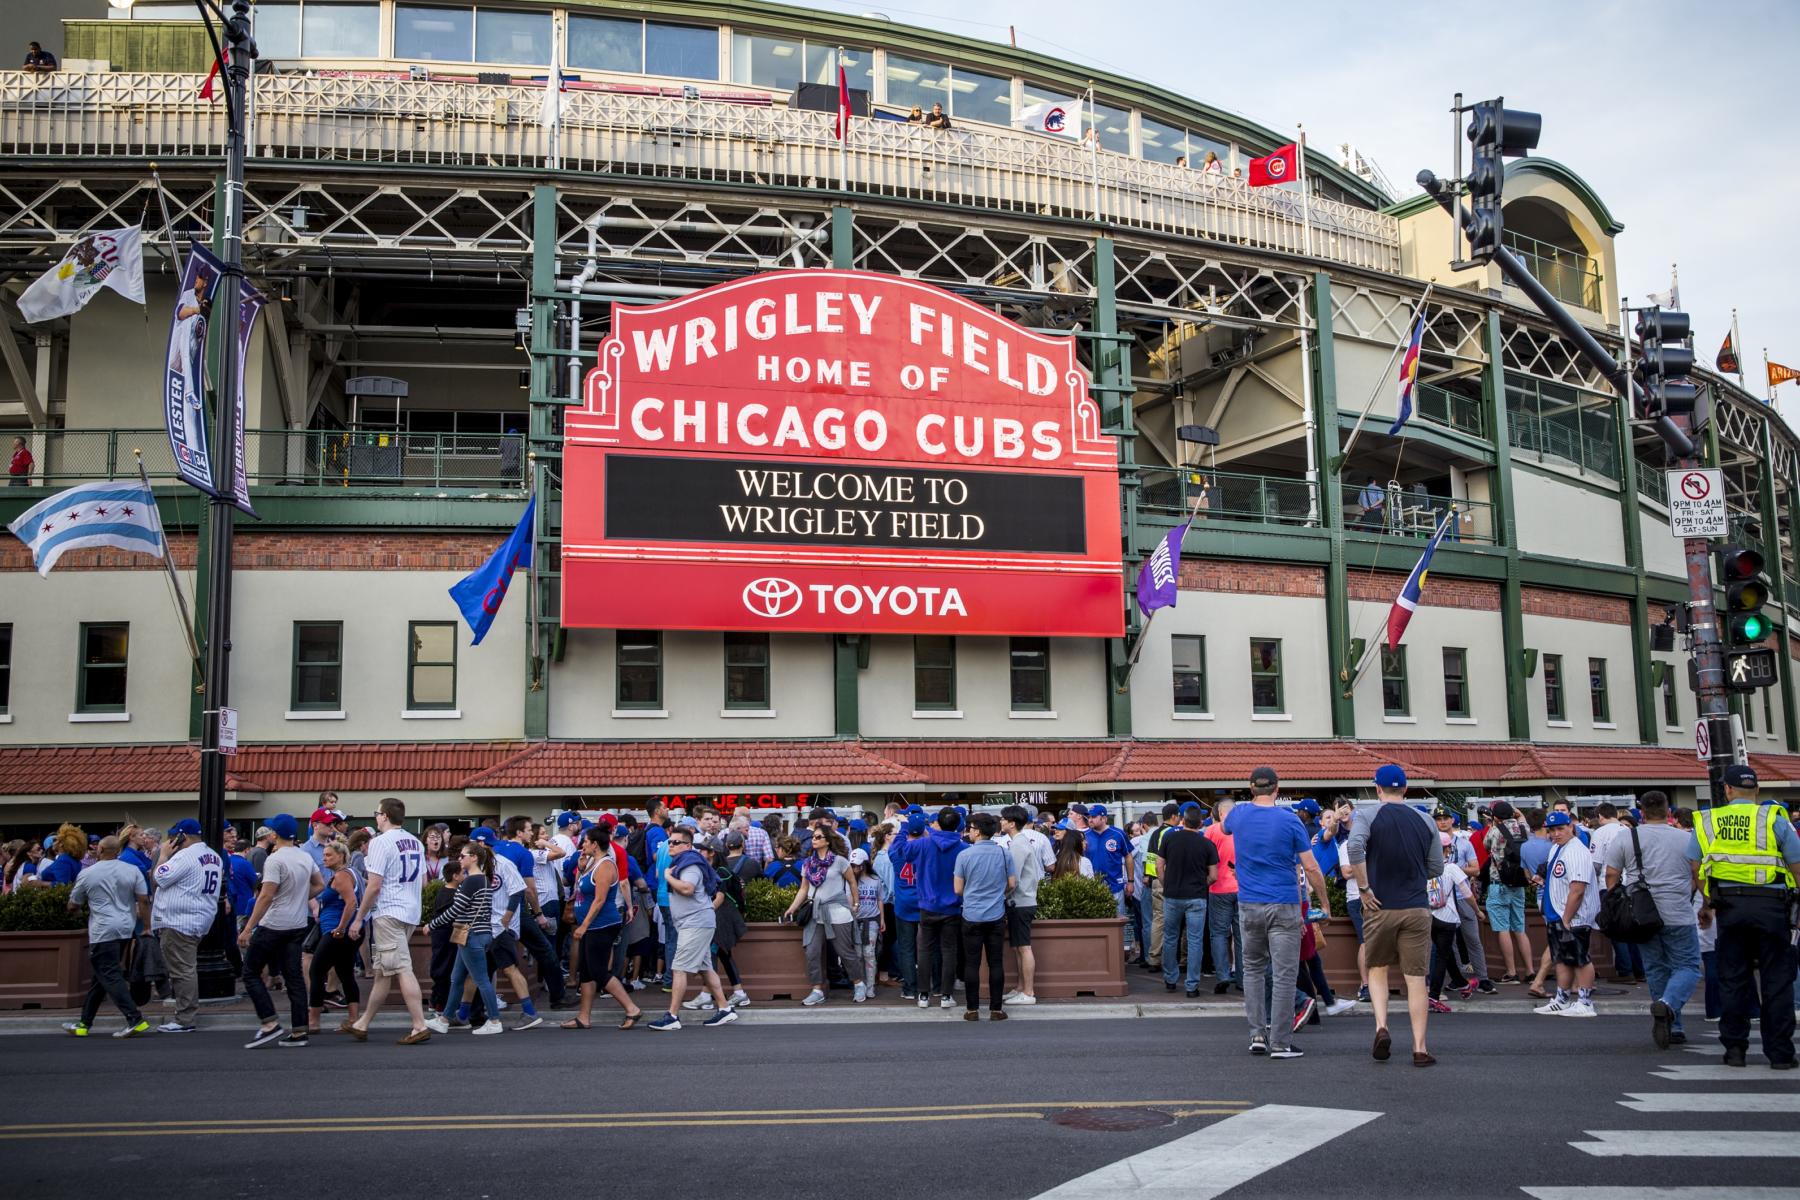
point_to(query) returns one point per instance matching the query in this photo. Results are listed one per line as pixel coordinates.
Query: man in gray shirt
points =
(276, 928)
(117, 899)
(1672, 957)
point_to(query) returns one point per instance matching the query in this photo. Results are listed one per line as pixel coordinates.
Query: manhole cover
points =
(1112, 1120)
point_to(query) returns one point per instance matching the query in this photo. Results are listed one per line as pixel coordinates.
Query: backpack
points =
(1436, 894)
(1512, 869)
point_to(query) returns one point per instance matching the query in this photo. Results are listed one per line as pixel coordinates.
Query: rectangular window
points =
(1553, 688)
(684, 51)
(934, 672)
(513, 37)
(5, 668)
(606, 44)
(1749, 717)
(859, 65)
(769, 62)
(1671, 712)
(430, 664)
(434, 34)
(1597, 688)
(639, 668)
(101, 686)
(318, 666)
(1188, 654)
(912, 82)
(1768, 709)
(977, 97)
(1113, 126)
(1163, 143)
(335, 30)
(1456, 682)
(277, 30)
(1030, 674)
(1394, 700)
(746, 670)
(1265, 675)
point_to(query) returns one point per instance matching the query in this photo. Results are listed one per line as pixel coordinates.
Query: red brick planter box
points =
(1076, 958)
(44, 970)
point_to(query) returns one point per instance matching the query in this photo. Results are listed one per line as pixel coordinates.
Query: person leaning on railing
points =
(39, 60)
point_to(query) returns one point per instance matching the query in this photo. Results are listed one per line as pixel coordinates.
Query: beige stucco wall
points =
(1577, 641)
(983, 692)
(1567, 521)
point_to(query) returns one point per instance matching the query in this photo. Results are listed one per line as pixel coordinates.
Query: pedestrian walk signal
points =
(1750, 670)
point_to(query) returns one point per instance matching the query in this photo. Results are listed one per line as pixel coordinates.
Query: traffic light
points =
(1740, 574)
(1496, 133)
(1664, 363)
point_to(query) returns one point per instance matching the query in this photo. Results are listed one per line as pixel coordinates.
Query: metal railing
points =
(1451, 410)
(1555, 439)
(292, 458)
(350, 119)
(1569, 275)
(1651, 484)
(1228, 496)
(1398, 511)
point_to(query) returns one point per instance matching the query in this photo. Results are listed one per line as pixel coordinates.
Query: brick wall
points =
(1576, 606)
(1380, 587)
(292, 551)
(1252, 578)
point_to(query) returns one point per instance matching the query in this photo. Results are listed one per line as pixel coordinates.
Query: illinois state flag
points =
(1408, 599)
(480, 593)
(105, 258)
(1278, 167)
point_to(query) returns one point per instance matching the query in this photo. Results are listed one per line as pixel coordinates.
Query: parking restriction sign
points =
(1696, 502)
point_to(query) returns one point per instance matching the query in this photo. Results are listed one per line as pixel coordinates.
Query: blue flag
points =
(480, 593)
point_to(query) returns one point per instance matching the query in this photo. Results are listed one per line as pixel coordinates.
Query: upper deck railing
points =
(445, 124)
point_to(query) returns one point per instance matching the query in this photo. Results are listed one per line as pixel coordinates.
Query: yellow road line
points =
(254, 1123)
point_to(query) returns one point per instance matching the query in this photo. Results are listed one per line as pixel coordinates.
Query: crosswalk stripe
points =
(1711, 1102)
(1720, 1073)
(1682, 1143)
(1663, 1193)
(1213, 1160)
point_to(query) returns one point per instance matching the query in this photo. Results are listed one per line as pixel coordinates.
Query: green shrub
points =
(33, 909)
(764, 902)
(1075, 898)
(429, 896)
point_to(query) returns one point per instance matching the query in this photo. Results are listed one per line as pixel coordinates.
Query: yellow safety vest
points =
(1737, 845)
(1151, 847)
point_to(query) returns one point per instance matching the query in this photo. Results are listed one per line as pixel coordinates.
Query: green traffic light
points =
(1753, 628)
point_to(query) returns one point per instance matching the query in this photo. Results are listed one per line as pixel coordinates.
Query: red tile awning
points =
(628, 767)
(98, 770)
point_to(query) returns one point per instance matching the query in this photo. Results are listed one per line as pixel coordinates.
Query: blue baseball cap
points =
(283, 826)
(568, 818)
(50, 841)
(859, 826)
(687, 823)
(915, 822)
(1193, 806)
(1390, 776)
(1557, 817)
(1308, 805)
(189, 826)
(484, 835)
(1096, 810)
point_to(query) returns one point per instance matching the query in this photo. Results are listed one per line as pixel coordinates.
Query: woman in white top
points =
(826, 879)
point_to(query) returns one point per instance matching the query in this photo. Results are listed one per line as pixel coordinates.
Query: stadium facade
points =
(442, 271)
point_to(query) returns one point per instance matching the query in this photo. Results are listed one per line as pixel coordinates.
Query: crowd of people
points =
(931, 903)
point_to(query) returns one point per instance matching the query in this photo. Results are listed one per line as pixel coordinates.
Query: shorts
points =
(389, 953)
(1399, 937)
(1569, 947)
(1506, 908)
(693, 950)
(1354, 909)
(597, 955)
(504, 950)
(1018, 924)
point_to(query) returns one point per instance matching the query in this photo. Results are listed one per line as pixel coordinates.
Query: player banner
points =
(184, 381)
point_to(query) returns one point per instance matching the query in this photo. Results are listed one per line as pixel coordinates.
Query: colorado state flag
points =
(1408, 599)
(1409, 373)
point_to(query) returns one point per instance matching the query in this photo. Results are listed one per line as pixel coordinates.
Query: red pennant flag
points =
(843, 113)
(1279, 167)
(1728, 359)
(206, 89)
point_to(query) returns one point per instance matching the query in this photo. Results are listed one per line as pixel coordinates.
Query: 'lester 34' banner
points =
(841, 452)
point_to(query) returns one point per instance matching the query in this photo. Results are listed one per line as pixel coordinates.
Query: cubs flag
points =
(480, 593)
(1056, 118)
(1408, 600)
(1728, 359)
(1278, 167)
(1409, 374)
(106, 258)
(1157, 578)
(120, 515)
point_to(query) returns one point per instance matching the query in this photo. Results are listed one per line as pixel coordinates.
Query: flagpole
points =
(1093, 145)
(168, 557)
(162, 202)
(1675, 286)
(1305, 193)
(1737, 348)
(1344, 455)
(555, 84)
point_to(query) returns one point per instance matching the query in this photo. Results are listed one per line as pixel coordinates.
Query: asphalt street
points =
(937, 1107)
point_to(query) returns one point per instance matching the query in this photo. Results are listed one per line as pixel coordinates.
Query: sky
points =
(1681, 117)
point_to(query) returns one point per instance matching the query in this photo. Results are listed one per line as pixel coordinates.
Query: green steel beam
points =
(1778, 579)
(1648, 719)
(1512, 598)
(544, 368)
(1331, 509)
(1112, 376)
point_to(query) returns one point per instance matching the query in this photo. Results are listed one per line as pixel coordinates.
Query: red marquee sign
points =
(841, 452)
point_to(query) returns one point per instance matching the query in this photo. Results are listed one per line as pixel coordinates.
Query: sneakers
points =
(1438, 1006)
(859, 993)
(1259, 1044)
(75, 1029)
(1487, 989)
(1581, 1008)
(1662, 1023)
(438, 1024)
(924, 1000)
(1736, 1057)
(947, 1002)
(1020, 998)
(701, 1003)
(1362, 995)
(1555, 1008)
(737, 999)
(666, 1023)
(722, 1017)
(814, 997)
(1304, 1011)
(296, 1040)
(264, 1037)
(1288, 1051)
(528, 1021)
(637, 985)
(1468, 989)
(176, 1027)
(906, 995)
(492, 1027)
(1339, 1007)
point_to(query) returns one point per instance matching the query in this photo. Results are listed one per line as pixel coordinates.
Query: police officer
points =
(1745, 856)
(1153, 952)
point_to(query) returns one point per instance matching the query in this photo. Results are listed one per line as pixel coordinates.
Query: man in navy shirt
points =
(1394, 853)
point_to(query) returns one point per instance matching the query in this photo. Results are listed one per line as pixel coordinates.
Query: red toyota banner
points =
(843, 452)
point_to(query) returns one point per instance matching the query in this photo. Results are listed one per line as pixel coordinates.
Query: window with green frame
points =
(104, 649)
(934, 673)
(5, 668)
(638, 668)
(1188, 660)
(1553, 688)
(747, 670)
(318, 668)
(1768, 709)
(1597, 690)
(1395, 702)
(1265, 676)
(1456, 682)
(1030, 674)
(1671, 711)
(430, 665)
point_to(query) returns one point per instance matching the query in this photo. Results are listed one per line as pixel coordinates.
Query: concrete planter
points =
(44, 970)
(771, 962)
(1077, 958)
(1339, 953)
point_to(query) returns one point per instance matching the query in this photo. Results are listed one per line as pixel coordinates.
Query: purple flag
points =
(1157, 577)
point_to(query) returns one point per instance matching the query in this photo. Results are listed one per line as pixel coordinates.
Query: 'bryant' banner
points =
(838, 451)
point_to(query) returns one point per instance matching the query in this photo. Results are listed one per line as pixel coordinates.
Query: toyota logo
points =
(771, 597)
